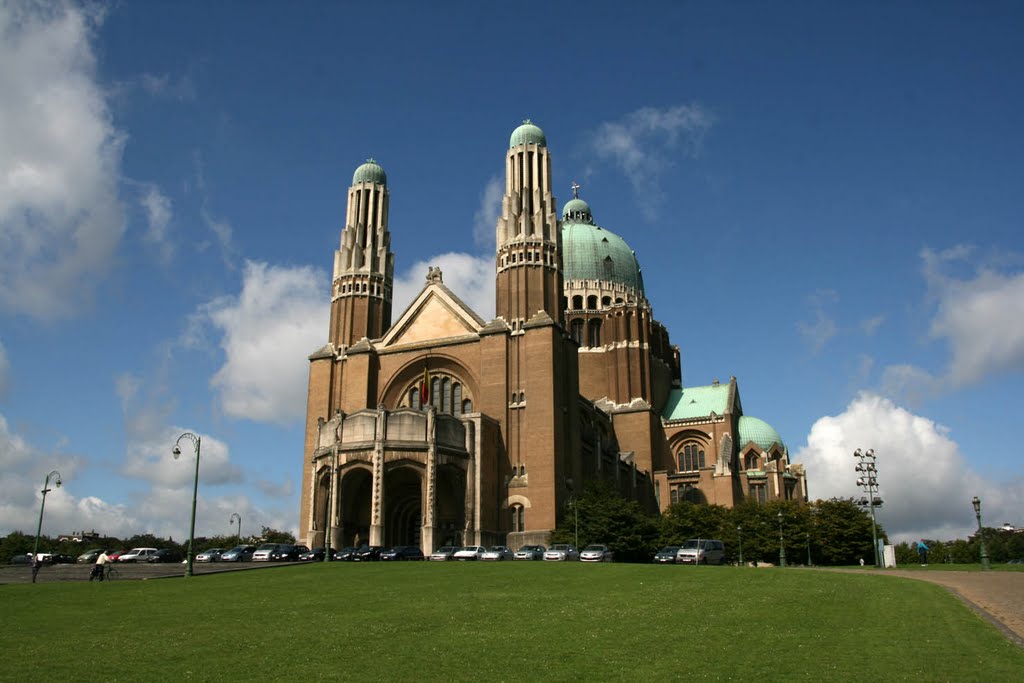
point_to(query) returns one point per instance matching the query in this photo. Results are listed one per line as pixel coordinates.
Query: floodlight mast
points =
(868, 480)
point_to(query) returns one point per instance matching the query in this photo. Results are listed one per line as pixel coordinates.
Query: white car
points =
(596, 553)
(561, 552)
(137, 555)
(701, 551)
(443, 554)
(497, 552)
(469, 552)
(210, 555)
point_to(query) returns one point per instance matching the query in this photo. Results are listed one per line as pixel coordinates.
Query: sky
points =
(825, 199)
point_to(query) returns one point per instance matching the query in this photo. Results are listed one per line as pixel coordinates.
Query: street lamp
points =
(176, 452)
(236, 516)
(739, 534)
(330, 506)
(868, 480)
(808, 549)
(782, 544)
(981, 535)
(46, 489)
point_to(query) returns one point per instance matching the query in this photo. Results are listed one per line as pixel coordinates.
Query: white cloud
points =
(471, 278)
(149, 459)
(5, 368)
(924, 481)
(871, 325)
(485, 219)
(277, 320)
(60, 156)
(163, 86)
(158, 216)
(819, 332)
(644, 142)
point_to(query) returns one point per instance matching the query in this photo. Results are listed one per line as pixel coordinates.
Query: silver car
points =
(561, 552)
(530, 552)
(701, 551)
(596, 553)
(497, 552)
(240, 553)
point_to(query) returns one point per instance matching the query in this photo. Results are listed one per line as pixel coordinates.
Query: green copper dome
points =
(370, 172)
(527, 134)
(589, 252)
(758, 431)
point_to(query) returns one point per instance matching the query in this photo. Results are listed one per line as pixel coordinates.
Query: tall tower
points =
(528, 262)
(364, 266)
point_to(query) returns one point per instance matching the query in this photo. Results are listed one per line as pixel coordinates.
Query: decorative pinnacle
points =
(575, 190)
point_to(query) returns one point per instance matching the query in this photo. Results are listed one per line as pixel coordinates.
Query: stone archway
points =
(450, 515)
(403, 503)
(354, 507)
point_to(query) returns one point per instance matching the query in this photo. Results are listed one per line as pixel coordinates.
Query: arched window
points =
(751, 461)
(609, 268)
(517, 518)
(446, 395)
(691, 458)
(467, 406)
(414, 398)
(444, 392)
(591, 302)
(606, 301)
(576, 330)
(522, 396)
(594, 336)
(577, 302)
(456, 399)
(435, 393)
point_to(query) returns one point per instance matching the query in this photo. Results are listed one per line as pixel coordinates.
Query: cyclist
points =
(99, 567)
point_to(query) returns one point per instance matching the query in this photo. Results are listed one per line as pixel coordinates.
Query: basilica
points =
(438, 427)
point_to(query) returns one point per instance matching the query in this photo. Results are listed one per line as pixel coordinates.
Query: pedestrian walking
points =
(99, 567)
(922, 551)
(35, 566)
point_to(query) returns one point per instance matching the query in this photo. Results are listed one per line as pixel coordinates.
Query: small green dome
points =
(527, 134)
(760, 432)
(589, 252)
(370, 172)
(577, 211)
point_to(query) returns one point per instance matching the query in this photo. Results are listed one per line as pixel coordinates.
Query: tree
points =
(842, 533)
(268, 535)
(606, 517)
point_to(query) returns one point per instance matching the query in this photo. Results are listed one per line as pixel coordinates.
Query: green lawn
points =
(433, 621)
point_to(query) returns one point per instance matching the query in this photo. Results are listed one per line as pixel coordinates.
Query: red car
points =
(114, 554)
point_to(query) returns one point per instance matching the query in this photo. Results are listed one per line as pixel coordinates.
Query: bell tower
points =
(528, 261)
(364, 266)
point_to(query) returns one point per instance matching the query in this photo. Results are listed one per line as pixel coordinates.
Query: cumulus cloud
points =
(924, 480)
(149, 459)
(471, 278)
(486, 217)
(60, 156)
(979, 314)
(266, 333)
(645, 142)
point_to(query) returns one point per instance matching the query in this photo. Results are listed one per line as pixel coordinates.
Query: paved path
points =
(997, 596)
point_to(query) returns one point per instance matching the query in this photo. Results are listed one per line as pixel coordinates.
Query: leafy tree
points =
(842, 532)
(268, 535)
(606, 517)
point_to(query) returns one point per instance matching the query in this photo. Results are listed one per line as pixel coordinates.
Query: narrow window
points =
(592, 302)
(467, 406)
(435, 393)
(576, 330)
(457, 399)
(577, 302)
(594, 338)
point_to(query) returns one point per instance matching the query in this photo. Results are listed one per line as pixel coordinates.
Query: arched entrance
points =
(403, 503)
(450, 519)
(354, 500)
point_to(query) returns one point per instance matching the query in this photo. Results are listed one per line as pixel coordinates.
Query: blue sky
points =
(825, 201)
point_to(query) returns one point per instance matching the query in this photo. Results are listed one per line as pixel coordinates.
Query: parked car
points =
(530, 552)
(240, 553)
(701, 551)
(443, 553)
(314, 555)
(136, 555)
(210, 555)
(596, 553)
(286, 552)
(262, 554)
(22, 559)
(497, 552)
(469, 552)
(666, 555)
(402, 552)
(115, 555)
(61, 558)
(89, 556)
(345, 554)
(164, 555)
(561, 552)
(367, 553)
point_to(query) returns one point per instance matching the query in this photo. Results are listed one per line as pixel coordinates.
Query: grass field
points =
(502, 621)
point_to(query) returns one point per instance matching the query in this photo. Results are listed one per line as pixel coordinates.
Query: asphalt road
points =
(129, 571)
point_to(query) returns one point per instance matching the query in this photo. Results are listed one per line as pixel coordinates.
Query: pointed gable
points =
(436, 314)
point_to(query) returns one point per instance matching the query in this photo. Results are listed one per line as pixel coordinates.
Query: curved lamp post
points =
(739, 534)
(176, 452)
(976, 502)
(782, 544)
(237, 517)
(46, 489)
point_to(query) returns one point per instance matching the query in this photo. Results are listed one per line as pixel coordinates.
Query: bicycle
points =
(112, 572)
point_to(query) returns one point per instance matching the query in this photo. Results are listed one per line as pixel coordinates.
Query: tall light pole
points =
(981, 534)
(808, 549)
(176, 452)
(46, 489)
(235, 516)
(739, 534)
(868, 480)
(330, 505)
(782, 543)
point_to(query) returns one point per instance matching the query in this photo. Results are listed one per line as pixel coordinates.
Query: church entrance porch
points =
(354, 508)
(403, 506)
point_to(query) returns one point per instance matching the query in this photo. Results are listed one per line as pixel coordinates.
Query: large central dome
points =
(589, 252)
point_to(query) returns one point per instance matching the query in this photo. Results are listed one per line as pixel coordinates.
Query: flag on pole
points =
(425, 386)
